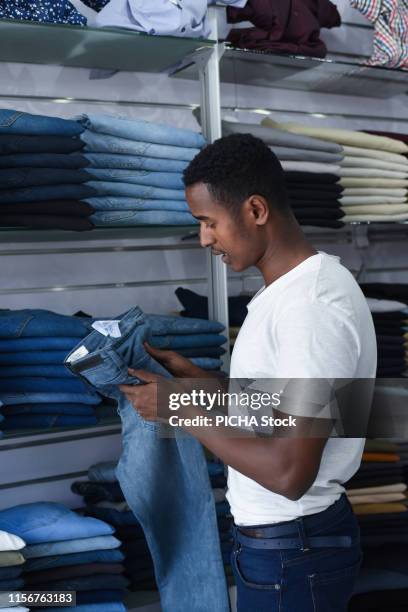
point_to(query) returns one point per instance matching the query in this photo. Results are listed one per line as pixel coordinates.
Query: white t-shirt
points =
(313, 322)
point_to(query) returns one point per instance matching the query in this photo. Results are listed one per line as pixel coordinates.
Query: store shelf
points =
(261, 69)
(85, 47)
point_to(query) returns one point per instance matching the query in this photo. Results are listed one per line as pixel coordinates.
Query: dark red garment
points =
(283, 26)
(395, 135)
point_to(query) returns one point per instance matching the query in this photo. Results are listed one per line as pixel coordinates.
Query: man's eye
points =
(210, 225)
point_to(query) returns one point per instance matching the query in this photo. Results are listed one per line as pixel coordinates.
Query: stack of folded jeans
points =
(66, 551)
(378, 496)
(41, 173)
(311, 168)
(136, 171)
(1, 419)
(391, 325)
(11, 565)
(196, 305)
(36, 389)
(373, 171)
(195, 338)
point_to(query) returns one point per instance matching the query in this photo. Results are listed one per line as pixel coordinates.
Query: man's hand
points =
(176, 364)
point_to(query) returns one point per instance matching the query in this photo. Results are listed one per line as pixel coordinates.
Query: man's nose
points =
(206, 237)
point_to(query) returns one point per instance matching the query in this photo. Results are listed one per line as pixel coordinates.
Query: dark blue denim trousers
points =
(314, 580)
(18, 122)
(164, 479)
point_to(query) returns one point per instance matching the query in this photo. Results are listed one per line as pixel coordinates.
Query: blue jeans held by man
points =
(164, 479)
(316, 575)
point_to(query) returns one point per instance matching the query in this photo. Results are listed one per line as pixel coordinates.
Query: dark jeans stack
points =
(135, 170)
(378, 495)
(42, 176)
(315, 198)
(66, 551)
(104, 499)
(36, 389)
(196, 305)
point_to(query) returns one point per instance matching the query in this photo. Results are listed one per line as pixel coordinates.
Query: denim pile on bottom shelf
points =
(378, 494)
(104, 499)
(36, 389)
(97, 170)
(65, 551)
(162, 470)
(11, 566)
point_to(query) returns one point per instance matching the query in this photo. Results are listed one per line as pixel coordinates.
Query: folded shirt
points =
(352, 181)
(297, 154)
(367, 172)
(371, 199)
(396, 217)
(313, 167)
(376, 305)
(376, 191)
(392, 507)
(391, 488)
(10, 541)
(377, 209)
(311, 178)
(375, 154)
(370, 162)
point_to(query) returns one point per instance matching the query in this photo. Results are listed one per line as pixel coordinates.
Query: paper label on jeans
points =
(79, 353)
(108, 328)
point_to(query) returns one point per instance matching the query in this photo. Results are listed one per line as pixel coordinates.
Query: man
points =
(296, 537)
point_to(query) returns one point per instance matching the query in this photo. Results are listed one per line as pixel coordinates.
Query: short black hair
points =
(237, 166)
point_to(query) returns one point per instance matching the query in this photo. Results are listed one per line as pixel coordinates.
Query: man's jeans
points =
(179, 523)
(19, 144)
(127, 218)
(128, 190)
(107, 555)
(15, 178)
(166, 180)
(142, 130)
(73, 545)
(102, 143)
(11, 399)
(48, 408)
(43, 160)
(48, 522)
(133, 162)
(18, 122)
(314, 579)
(120, 203)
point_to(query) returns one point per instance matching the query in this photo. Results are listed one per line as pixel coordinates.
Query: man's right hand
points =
(176, 364)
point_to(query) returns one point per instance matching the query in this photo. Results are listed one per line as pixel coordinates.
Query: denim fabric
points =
(187, 341)
(43, 160)
(105, 188)
(222, 508)
(197, 305)
(142, 130)
(10, 572)
(208, 351)
(87, 583)
(11, 584)
(18, 122)
(48, 522)
(51, 371)
(16, 144)
(104, 471)
(48, 408)
(120, 203)
(113, 555)
(317, 579)
(180, 526)
(97, 491)
(44, 421)
(214, 468)
(102, 143)
(46, 192)
(73, 545)
(72, 223)
(107, 606)
(166, 180)
(15, 178)
(372, 579)
(33, 358)
(37, 385)
(73, 571)
(114, 517)
(38, 322)
(207, 363)
(133, 162)
(133, 218)
(164, 325)
(100, 596)
(11, 399)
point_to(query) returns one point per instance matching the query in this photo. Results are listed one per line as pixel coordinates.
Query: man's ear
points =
(259, 209)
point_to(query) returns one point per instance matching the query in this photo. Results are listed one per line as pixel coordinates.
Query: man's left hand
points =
(144, 397)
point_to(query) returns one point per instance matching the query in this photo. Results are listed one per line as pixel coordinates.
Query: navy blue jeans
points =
(315, 580)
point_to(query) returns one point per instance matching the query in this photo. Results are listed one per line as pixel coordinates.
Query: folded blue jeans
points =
(103, 143)
(166, 180)
(123, 203)
(128, 218)
(207, 363)
(50, 371)
(11, 399)
(42, 343)
(74, 545)
(33, 358)
(105, 596)
(43, 160)
(106, 606)
(18, 122)
(48, 408)
(16, 178)
(87, 583)
(38, 385)
(11, 584)
(180, 525)
(107, 555)
(134, 162)
(165, 325)
(129, 190)
(11, 572)
(47, 421)
(187, 341)
(38, 322)
(46, 192)
(142, 130)
(20, 144)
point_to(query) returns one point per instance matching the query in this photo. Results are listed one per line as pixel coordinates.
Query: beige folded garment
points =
(379, 508)
(369, 162)
(376, 154)
(302, 166)
(372, 182)
(377, 209)
(234, 330)
(376, 498)
(349, 199)
(374, 172)
(373, 218)
(343, 137)
(398, 487)
(376, 191)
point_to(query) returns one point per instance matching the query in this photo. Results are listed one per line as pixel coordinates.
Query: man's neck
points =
(281, 260)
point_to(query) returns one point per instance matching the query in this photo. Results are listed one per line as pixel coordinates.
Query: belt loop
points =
(302, 535)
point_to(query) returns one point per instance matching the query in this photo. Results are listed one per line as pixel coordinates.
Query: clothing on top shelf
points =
(59, 11)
